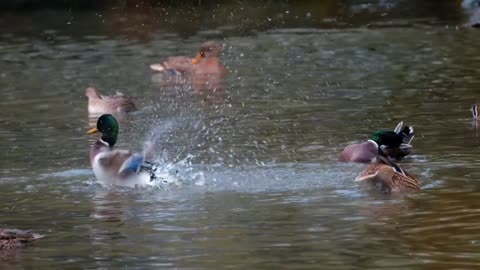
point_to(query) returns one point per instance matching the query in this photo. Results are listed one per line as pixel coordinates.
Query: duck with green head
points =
(117, 167)
(395, 144)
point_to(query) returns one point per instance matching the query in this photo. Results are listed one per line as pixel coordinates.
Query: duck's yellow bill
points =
(197, 59)
(93, 130)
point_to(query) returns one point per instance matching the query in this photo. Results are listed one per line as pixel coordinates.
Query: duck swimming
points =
(207, 61)
(117, 167)
(10, 238)
(395, 144)
(388, 177)
(405, 148)
(100, 104)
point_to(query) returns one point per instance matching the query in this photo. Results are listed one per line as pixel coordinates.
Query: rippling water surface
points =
(255, 178)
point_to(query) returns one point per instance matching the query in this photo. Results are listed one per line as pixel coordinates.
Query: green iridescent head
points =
(387, 137)
(108, 126)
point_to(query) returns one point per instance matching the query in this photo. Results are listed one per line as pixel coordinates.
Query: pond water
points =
(256, 182)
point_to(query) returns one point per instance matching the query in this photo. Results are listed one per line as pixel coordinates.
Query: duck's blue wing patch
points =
(132, 164)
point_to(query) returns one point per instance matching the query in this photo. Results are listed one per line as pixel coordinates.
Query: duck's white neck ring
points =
(104, 142)
(374, 142)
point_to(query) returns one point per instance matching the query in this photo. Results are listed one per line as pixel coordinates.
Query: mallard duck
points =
(388, 177)
(99, 104)
(396, 145)
(116, 167)
(207, 61)
(405, 148)
(16, 238)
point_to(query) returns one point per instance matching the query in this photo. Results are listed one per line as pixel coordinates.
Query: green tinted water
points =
(258, 184)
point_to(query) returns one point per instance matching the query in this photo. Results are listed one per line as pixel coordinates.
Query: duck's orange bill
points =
(197, 59)
(93, 130)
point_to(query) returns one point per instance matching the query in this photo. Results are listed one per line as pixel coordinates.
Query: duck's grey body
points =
(111, 167)
(364, 152)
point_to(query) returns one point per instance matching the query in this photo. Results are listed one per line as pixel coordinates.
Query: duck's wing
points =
(133, 164)
(113, 160)
(124, 163)
(405, 182)
(371, 170)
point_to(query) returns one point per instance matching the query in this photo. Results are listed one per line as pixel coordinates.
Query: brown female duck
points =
(207, 61)
(16, 238)
(100, 104)
(388, 177)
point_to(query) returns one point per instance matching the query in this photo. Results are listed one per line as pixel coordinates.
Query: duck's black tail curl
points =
(407, 134)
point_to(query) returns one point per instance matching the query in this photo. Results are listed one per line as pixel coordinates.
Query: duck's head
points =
(387, 137)
(108, 126)
(208, 49)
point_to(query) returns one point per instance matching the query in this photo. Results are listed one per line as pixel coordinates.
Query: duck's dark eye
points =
(202, 54)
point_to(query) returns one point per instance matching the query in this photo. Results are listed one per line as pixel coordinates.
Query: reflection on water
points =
(255, 178)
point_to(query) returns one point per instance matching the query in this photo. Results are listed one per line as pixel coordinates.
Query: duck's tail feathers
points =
(405, 131)
(398, 128)
(407, 134)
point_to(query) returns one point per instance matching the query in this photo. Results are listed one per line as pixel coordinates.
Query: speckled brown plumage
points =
(388, 179)
(16, 238)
